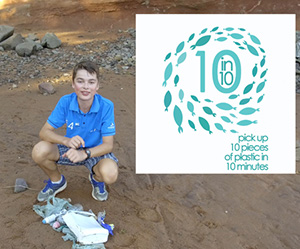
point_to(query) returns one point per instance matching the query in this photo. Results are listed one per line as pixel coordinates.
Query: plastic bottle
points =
(53, 217)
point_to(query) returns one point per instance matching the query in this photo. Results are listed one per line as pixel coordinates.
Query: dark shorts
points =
(89, 163)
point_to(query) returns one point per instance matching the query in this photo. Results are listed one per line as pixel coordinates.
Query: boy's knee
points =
(41, 151)
(108, 170)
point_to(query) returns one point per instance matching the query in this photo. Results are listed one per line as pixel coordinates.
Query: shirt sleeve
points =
(57, 117)
(108, 121)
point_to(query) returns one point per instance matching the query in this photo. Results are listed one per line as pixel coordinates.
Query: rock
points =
(50, 40)
(1, 49)
(26, 49)
(5, 32)
(46, 88)
(20, 185)
(298, 44)
(32, 37)
(12, 42)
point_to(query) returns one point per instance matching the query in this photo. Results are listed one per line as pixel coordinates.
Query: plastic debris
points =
(20, 185)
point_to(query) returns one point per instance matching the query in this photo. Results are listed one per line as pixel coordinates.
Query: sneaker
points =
(99, 192)
(51, 189)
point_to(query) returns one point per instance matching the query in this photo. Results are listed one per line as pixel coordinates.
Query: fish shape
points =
(219, 33)
(178, 118)
(208, 100)
(260, 98)
(208, 111)
(179, 48)
(225, 106)
(226, 119)
(232, 115)
(229, 29)
(263, 61)
(248, 88)
(254, 39)
(263, 73)
(245, 101)
(237, 43)
(236, 36)
(242, 48)
(203, 31)
(233, 131)
(242, 29)
(220, 39)
(190, 107)
(191, 37)
(261, 86)
(262, 50)
(192, 125)
(195, 98)
(254, 70)
(168, 72)
(214, 29)
(168, 56)
(248, 111)
(233, 96)
(167, 100)
(176, 80)
(201, 42)
(205, 125)
(181, 58)
(219, 127)
(181, 95)
(246, 122)
(251, 49)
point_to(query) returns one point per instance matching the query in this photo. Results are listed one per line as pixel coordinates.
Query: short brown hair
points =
(89, 66)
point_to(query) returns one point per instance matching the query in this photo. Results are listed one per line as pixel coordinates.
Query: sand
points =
(149, 211)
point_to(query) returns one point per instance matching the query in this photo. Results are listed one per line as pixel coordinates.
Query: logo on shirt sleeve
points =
(112, 126)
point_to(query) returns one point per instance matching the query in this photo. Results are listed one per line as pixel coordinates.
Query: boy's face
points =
(85, 85)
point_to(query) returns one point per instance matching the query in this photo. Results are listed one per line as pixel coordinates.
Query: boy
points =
(89, 137)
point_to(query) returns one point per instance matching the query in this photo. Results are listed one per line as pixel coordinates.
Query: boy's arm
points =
(48, 134)
(104, 148)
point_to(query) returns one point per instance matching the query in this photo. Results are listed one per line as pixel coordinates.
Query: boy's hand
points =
(75, 156)
(75, 142)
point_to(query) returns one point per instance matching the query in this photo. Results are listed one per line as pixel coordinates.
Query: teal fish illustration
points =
(190, 107)
(237, 43)
(225, 106)
(181, 58)
(181, 95)
(245, 101)
(168, 72)
(219, 127)
(248, 111)
(263, 73)
(254, 39)
(203, 31)
(226, 119)
(192, 125)
(208, 111)
(168, 56)
(248, 88)
(205, 125)
(242, 29)
(195, 98)
(208, 100)
(236, 36)
(232, 115)
(233, 131)
(251, 49)
(214, 29)
(242, 48)
(201, 42)
(179, 48)
(220, 39)
(261, 86)
(191, 37)
(233, 96)
(254, 70)
(176, 80)
(262, 50)
(167, 100)
(260, 98)
(219, 33)
(229, 29)
(263, 61)
(246, 122)
(178, 118)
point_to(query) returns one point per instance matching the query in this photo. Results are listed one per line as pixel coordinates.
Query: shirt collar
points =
(74, 106)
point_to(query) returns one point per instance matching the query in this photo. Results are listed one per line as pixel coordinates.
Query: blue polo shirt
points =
(92, 126)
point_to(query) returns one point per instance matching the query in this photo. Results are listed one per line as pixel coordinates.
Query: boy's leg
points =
(46, 154)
